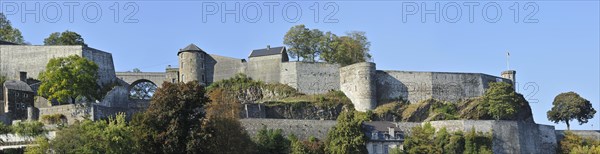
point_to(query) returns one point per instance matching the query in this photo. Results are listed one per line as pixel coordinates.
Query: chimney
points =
(23, 76)
(268, 47)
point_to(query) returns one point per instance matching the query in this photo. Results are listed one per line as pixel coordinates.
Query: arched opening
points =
(142, 89)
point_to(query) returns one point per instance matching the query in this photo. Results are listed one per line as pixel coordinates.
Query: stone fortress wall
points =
(508, 136)
(33, 59)
(362, 82)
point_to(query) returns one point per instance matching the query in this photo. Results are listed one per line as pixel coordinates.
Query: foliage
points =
(173, 121)
(477, 142)
(569, 106)
(309, 44)
(329, 99)
(310, 146)
(43, 145)
(347, 136)
(271, 141)
(227, 135)
(500, 100)
(29, 128)
(136, 70)
(2, 80)
(5, 129)
(595, 149)
(68, 78)
(112, 136)
(64, 38)
(424, 139)
(8, 33)
(53, 119)
(240, 83)
(572, 143)
(421, 140)
(346, 50)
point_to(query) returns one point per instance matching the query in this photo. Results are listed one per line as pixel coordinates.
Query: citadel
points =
(362, 83)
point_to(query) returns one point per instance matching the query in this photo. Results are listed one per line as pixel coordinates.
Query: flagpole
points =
(508, 60)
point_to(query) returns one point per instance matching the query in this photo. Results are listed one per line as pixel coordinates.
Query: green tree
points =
(173, 121)
(298, 39)
(69, 78)
(347, 136)
(29, 128)
(64, 38)
(501, 100)
(103, 136)
(310, 146)
(43, 145)
(569, 106)
(271, 141)
(345, 50)
(421, 140)
(8, 33)
(136, 70)
(227, 135)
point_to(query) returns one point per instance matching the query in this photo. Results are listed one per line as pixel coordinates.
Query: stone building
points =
(382, 136)
(17, 98)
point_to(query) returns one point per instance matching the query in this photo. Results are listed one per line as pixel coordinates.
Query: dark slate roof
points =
(267, 51)
(191, 47)
(17, 85)
(7, 43)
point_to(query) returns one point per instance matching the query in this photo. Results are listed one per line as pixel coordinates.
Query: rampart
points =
(303, 129)
(33, 59)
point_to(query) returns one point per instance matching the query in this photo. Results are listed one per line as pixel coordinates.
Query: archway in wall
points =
(142, 89)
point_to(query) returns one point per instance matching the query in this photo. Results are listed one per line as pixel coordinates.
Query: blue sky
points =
(554, 45)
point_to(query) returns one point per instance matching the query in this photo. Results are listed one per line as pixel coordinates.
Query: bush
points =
(424, 139)
(29, 128)
(54, 119)
(271, 141)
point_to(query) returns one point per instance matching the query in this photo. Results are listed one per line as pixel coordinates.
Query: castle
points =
(362, 83)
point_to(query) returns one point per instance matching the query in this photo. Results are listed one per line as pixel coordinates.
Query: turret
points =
(357, 82)
(191, 64)
(510, 74)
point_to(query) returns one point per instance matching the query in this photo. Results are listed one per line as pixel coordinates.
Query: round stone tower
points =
(191, 64)
(357, 81)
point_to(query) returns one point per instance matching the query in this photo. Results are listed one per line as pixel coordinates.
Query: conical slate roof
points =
(192, 47)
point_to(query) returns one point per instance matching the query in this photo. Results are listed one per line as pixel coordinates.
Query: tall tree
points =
(501, 100)
(298, 40)
(173, 121)
(8, 33)
(64, 38)
(569, 106)
(227, 135)
(346, 136)
(69, 78)
(345, 50)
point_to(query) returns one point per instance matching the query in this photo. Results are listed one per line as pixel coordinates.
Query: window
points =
(386, 148)
(375, 148)
(203, 78)
(182, 78)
